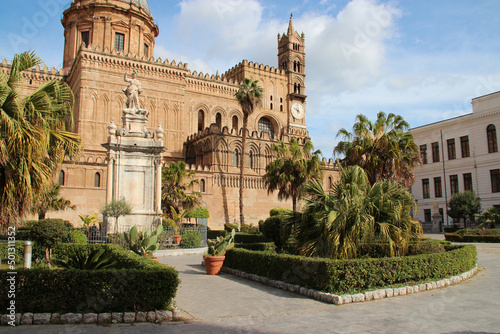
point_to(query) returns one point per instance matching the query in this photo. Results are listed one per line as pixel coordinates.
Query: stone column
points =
(158, 164)
(109, 181)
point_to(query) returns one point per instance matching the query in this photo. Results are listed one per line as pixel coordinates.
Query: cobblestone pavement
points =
(227, 304)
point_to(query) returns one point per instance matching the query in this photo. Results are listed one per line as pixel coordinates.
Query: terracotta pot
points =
(213, 264)
(177, 239)
(154, 259)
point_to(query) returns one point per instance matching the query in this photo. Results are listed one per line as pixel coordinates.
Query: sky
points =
(421, 59)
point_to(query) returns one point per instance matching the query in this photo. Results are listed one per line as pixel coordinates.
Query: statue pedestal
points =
(134, 172)
(437, 222)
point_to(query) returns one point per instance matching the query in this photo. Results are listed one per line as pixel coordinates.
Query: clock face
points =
(298, 110)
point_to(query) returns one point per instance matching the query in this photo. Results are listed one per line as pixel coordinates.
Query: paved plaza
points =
(228, 304)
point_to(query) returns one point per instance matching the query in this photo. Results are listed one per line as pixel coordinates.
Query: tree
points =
(34, 138)
(384, 149)
(294, 166)
(249, 96)
(116, 209)
(464, 205)
(49, 200)
(489, 217)
(47, 233)
(335, 224)
(175, 184)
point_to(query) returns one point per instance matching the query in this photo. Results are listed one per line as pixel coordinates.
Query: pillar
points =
(109, 181)
(158, 166)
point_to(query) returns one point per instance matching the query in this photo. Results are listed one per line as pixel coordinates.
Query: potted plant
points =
(177, 218)
(214, 258)
(143, 243)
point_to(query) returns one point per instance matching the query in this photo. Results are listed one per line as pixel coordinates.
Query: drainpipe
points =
(445, 186)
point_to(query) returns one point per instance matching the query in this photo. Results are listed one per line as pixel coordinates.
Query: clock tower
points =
(292, 59)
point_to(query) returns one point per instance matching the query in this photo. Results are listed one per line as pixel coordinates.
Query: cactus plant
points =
(220, 245)
(143, 243)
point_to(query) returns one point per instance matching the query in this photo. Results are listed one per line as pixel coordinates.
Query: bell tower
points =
(292, 59)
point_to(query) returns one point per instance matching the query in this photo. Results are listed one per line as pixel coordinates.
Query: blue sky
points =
(422, 59)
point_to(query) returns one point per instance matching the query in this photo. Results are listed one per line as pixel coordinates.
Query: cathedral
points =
(200, 116)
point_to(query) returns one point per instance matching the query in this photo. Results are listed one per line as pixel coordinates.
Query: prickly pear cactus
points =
(143, 243)
(220, 245)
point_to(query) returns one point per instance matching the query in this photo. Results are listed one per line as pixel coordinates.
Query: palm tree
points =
(334, 224)
(294, 166)
(175, 188)
(49, 200)
(249, 96)
(385, 149)
(34, 138)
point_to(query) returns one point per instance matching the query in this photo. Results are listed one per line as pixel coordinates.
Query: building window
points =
(271, 107)
(423, 153)
(250, 160)
(97, 180)
(146, 50)
(495, 180)
(467, 181)
(438, 189)
(435, 152)
(281, 107)
(235, 158)
(235, 122)
(425, 188)
(330, 182)
(85, 38)
(202, 186)
(218, 120)
(451, 149)
(454, 184)
(427, 215)
(119, 41)
(201, 120)
(62, 178)
(464, 143)
(492, 139)
(265, 125)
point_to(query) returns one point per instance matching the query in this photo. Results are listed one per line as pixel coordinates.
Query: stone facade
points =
(200, 116)
(459, 154)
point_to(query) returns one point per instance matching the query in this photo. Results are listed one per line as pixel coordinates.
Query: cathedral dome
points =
(139, 3)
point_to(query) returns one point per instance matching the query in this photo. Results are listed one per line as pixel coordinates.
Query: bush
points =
(229, 227)
(279, 212)
(137, 284)
(349, 276)
(249, 229)
(191, 239)
(472, 238)
(213, 234)
(275, 228)
(77, 237)
(258, 246)
(117, 238)
(198, 212)
(47, 233)
(249, 238)
(479, 231)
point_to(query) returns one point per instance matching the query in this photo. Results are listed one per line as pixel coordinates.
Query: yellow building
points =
(201, 117)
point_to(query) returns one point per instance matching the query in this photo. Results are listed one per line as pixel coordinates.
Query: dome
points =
(139, 3)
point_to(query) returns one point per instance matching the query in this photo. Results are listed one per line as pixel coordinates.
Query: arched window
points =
(235, 122)
(250, 159)
(330, 183)
(61, 177)
(271, 106)
(265, 125)
(202, 186)
(236, 158)
(492, 139)
(97, 180)
(218, 120)
(201, 120)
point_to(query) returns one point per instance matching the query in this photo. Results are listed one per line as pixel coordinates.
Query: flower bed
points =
(347, 276)
(136, 284)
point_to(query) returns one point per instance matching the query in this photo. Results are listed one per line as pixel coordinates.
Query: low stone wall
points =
(360, 297)
(87, 318)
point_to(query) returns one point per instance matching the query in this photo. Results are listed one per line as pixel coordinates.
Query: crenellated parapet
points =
(235, 72)
(330, 164)
(36, 72)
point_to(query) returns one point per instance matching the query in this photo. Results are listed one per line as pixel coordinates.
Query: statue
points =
(132, 92)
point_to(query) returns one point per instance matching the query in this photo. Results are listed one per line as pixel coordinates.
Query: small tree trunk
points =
(41, 215)
(294, 203)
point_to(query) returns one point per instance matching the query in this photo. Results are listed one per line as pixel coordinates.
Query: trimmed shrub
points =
(348, 276)
(229, 227)
(279, 212)
(213, 234)
(191, 239)
(472, 238)
(258, 246)
(47, 233)
(117, 238)
(77, 237)
(249, 229)
(137, 284)
(249, 238)
(479, 231)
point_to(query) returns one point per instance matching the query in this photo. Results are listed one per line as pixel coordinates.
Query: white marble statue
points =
(132, 92)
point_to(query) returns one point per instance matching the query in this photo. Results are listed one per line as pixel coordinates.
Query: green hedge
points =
(213, 234)
(258, 246)
(37, 252)
(479, 231)
(249, 238)
(472, 238)
(424, 246)
(348, 276)
(137, 284)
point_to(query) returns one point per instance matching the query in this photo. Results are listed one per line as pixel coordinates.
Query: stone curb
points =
(88, 318)
(360, 297)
